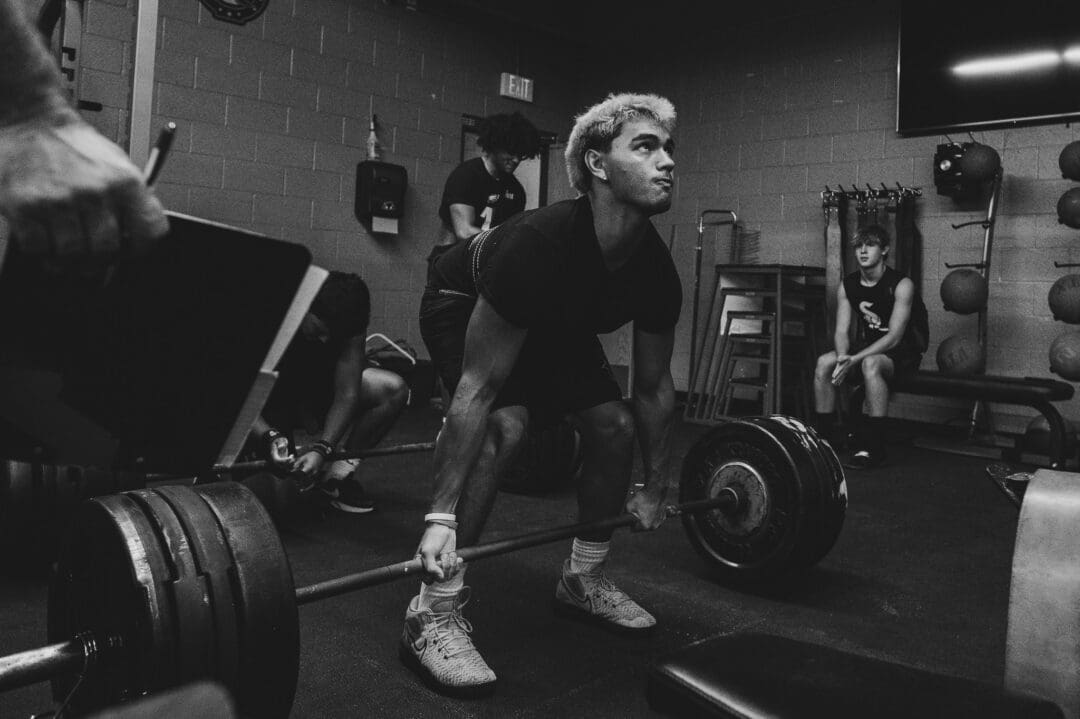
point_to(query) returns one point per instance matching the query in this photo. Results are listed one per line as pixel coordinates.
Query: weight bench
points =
(751, 676)
(1034, 392)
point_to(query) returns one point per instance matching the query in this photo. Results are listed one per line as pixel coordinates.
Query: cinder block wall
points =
(772, 113)
(273, 119)
(105, 63)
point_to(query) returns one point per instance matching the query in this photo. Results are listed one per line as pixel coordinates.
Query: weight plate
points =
(1042, 648)
(193, 625)
(213, 562)
(109, 580)
(263, 589)
(836, 500)
(743, 451)
(813, 477)
(180, 583)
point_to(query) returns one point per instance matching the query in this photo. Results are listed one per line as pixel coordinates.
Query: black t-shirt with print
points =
(471, 184)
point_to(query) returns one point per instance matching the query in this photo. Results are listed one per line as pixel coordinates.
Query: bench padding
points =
(746, 676)
(989, 388)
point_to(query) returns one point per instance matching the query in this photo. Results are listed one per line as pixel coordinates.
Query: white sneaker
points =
(435, 644)
(595, 598)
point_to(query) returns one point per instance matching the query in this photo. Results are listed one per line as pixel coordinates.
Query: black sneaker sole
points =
(476, 691)
(569, 611)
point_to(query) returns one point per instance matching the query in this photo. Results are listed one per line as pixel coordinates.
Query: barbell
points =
(154, 588)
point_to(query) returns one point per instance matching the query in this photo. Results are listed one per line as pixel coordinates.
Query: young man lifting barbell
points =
(511, 319)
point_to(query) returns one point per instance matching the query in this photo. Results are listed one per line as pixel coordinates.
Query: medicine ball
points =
(1065, 356)
(1064, 299)
(961, 355)
(979, 162)
(1068, 208)
(964, 291)
(1069, 161)
(1037, 437)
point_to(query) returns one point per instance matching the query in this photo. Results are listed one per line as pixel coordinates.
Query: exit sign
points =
(515, 86)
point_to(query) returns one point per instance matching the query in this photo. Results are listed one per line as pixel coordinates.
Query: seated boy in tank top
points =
(881, 333)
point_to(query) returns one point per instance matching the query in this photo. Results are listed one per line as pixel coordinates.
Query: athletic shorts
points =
(555, 373)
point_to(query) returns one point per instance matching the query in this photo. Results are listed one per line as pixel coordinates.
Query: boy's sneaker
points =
(865, 458)
(435, 644)
(348, 496)
(595, 598)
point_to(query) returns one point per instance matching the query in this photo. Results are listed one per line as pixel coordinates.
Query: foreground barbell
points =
(159, 587)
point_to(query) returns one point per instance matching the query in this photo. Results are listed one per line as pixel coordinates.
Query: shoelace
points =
(610, 590)
(446, 638)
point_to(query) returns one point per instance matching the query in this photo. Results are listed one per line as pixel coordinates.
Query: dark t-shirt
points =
(543, 270)
(871, 307)
(471, 184)
(305, 379)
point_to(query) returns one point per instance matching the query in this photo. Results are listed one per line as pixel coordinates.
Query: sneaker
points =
(865, 458)
(435, 644)
(330, 489)
(349, 496)
(595, 598)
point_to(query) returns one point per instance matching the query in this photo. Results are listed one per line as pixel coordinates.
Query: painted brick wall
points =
(774, 113)
(105, 63)
(273, 119)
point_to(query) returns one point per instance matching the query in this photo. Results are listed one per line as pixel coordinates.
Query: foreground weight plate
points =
(757, 541)
(1042, 650)
(267, 618)
(178, 583)
(111, 579)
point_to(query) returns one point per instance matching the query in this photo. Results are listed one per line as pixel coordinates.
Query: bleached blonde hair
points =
(595, 128)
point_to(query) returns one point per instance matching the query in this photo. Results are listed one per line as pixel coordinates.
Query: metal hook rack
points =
(830, 196)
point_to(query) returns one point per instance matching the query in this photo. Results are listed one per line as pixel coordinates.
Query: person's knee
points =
(507, 429)
(385, 390)
(825, 365)
(396, 392)
(613, 426)
(875, 367)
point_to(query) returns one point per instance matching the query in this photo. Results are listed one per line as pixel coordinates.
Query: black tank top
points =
(872, 307)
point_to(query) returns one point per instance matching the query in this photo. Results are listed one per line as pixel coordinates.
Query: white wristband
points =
(432, 516)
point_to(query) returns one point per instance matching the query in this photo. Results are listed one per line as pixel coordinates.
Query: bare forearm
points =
(29, 80)
(840, 342)
(654, 415)
(458, 446)
(341, 413)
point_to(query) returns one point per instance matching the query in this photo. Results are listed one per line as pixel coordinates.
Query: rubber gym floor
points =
(920, 576)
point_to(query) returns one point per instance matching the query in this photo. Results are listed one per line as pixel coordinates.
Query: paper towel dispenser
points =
(380, 190)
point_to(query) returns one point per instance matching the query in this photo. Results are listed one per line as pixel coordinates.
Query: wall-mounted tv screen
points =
(964, 65)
